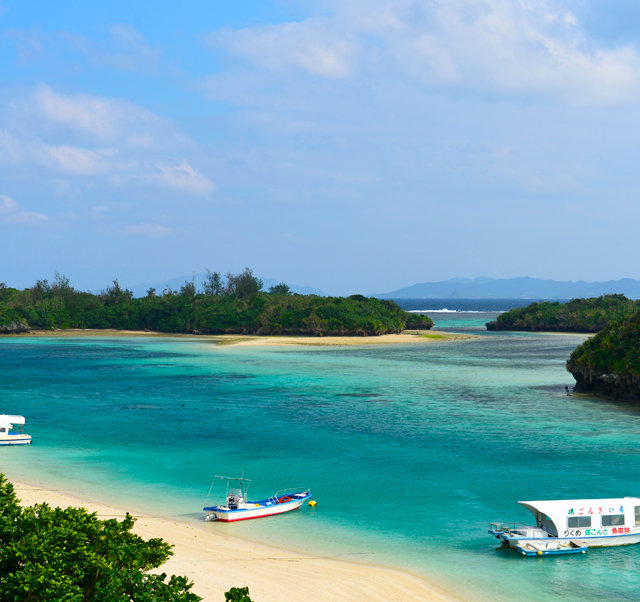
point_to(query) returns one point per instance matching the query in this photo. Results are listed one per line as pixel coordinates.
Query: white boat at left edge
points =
(12, 430)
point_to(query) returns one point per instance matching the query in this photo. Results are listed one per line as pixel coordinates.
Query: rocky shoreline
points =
(610, 386)
(608, 364)
(15, 328)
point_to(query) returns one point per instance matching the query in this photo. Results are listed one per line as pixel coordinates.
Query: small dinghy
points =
(12, 430)
(537, 548)
(238, 507)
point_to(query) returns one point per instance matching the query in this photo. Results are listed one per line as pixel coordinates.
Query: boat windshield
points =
(548, 525)
(236, 488)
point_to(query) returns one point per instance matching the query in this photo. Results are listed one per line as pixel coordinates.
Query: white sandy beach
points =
(408, 336)
(217, 562)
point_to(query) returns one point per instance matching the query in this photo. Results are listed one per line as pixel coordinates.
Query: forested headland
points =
(578, 315)
(608, 364)
(231, 304)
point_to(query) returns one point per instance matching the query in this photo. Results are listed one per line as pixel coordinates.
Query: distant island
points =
(609, 363)
(231, 304)
(579, 315)
(514, 288)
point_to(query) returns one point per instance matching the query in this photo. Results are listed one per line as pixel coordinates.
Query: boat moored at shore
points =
(12, 430)
(239, 508)
(573, 525)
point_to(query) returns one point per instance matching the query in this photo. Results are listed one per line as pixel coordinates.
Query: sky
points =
(357, 146)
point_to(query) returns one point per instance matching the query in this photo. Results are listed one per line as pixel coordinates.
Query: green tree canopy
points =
(578, 315)
(70, 555)
(236, 307)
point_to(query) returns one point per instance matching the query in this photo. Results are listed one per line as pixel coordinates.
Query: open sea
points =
(410, 450)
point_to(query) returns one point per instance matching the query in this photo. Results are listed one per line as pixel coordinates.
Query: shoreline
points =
(244, 340)
(272, 574)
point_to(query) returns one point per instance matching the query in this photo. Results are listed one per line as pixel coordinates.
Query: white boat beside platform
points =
(237, 507)
(570, 526)
(12, 430)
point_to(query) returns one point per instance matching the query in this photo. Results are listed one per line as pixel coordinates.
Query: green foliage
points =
(237, 307)
(242, 285)
(280, 289)
(614, 350)
(579, 315)
(213, 284)
(237, 594)
(69, 555)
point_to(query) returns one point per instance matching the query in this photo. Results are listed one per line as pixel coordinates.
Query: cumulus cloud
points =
(89, 137)
(534, 47)
(10, 212)
(152, 230)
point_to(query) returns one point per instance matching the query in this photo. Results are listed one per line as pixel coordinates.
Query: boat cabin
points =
(585, 518)
(11, 424)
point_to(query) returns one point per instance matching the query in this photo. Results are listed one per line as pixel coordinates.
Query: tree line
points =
(233, 304)
(578, 315)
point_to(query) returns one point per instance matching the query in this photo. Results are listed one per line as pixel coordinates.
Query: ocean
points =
(410, 450)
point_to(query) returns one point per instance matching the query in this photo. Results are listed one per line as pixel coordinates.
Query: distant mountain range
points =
(140, 290)
(514, 288)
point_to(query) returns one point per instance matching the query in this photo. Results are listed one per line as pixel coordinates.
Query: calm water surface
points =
(409, 450)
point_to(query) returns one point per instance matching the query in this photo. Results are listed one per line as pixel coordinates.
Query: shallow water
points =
(409, 450)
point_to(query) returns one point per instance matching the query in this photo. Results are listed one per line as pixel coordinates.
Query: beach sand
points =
(217, 562)
(410, 336)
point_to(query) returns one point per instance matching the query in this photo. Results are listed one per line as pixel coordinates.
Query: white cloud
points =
(81, 161)
(8, 205)
(153, 230)
(10, 212)
(124, 49)
(137, 54)
(67, 134)
(104, 117)
(184, 178)
(533, 47)
(312, 45)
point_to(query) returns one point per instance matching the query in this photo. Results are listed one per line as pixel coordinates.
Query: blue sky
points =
(354, 146)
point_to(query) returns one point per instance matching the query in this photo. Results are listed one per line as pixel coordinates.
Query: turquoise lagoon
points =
(410, 450)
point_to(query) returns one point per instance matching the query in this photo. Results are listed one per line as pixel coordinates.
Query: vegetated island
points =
(608, 364)
(578, 315)
(231, 304)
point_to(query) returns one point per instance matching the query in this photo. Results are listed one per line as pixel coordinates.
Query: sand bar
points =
(216, 562)
(406, 337)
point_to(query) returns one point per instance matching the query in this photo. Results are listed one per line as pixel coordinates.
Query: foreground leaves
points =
(69, 555)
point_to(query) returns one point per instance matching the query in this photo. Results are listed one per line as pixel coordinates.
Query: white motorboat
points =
(237, 506)
(12, 430)
(581, 523)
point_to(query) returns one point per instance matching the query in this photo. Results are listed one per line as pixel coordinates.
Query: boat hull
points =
(15, 439)
(592, 542)
(253, 510)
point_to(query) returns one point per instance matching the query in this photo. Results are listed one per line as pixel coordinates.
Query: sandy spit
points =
(409, 336)
(216, 562)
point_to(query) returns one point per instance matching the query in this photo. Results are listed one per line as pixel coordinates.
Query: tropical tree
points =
(70, 555)
(280, 289)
